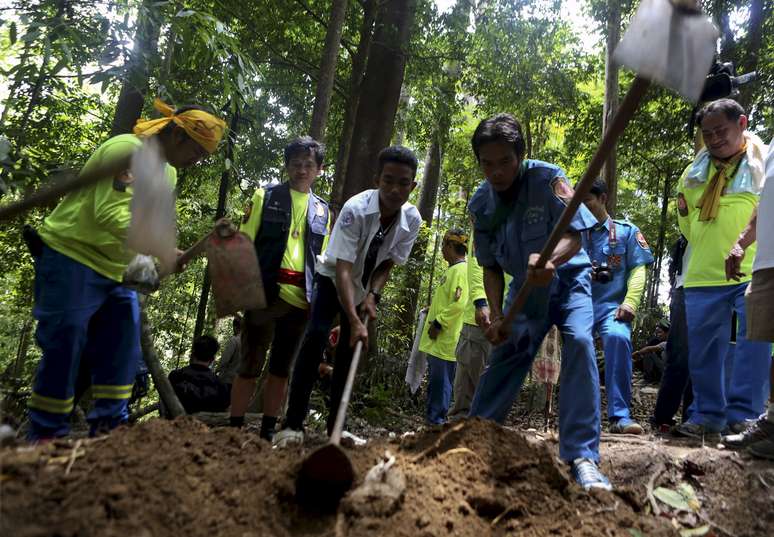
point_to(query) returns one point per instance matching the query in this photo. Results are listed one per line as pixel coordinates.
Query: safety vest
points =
(272, 237)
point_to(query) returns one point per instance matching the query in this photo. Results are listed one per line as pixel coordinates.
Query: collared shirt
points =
(764, 257)
(356, 226)
(508, 231)
(623, 250)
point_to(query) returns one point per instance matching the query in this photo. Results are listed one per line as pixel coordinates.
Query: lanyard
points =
(612, 234)
(612, 238)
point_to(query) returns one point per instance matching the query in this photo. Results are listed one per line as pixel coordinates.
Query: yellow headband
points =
(206, 129)
(456, 237)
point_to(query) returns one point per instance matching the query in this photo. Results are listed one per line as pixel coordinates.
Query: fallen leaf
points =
(694, 532)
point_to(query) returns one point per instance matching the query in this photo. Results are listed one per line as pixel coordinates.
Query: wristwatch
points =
(377, 295)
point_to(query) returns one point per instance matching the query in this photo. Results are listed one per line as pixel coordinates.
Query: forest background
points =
(359, 75)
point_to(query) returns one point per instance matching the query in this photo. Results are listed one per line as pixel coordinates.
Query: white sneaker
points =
(288, 437)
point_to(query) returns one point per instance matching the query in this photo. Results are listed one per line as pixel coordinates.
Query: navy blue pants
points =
(82, 317)
(439, 388)
(324, 309)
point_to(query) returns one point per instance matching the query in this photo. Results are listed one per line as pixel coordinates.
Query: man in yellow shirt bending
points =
(289, 225)
(444, 324)
(84, 313)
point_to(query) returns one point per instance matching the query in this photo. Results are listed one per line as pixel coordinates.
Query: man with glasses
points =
(289, 225)
(375, 230)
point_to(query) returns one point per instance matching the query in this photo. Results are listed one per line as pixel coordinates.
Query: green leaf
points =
(689, 494)
(635, 532)
(694, 532)
(185, 13)
(12, 35)
(683, 499)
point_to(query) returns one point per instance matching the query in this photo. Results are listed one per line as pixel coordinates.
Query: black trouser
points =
(324, 309)
(675, 382)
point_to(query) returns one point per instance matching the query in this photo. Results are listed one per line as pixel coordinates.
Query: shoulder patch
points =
(248, 212)
(457, 293)
(562, 190)
(347, 218)
(641, 240)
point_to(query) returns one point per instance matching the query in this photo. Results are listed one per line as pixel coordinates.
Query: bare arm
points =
(566, 248)
(378, 280)
(346, 290)
(494, 286)
(736, 255)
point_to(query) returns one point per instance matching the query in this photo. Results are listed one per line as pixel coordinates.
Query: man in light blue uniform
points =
(514, 211)
(619, 255)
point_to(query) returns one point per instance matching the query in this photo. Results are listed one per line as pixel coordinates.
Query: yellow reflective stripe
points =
(108, 395)
(103, 391)
(50, 404)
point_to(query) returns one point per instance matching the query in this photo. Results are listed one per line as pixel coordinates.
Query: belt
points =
(291, 277)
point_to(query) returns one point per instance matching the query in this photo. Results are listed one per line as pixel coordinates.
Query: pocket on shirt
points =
(533, 237)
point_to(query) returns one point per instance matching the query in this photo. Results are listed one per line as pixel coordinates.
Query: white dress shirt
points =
(356, 225)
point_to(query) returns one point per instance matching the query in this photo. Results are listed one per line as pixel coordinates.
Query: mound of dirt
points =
(165, 478)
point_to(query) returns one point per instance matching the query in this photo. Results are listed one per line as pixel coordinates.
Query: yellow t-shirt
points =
(475, 285)
(293, 258)
(448, 308)
(711, 240)
(90, 225)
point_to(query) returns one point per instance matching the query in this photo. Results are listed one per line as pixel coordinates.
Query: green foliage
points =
(62, 66)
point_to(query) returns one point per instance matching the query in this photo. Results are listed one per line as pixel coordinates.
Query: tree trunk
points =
(431, 179)
(159, 376)
(220, 212)
(727, 44)
(169, 55)
(659, 251)
(611, 100)
(135, 85)
(427, 199)
(23, 348)
(754, 42)
(380, 93)
(322, 98)
(355, 83)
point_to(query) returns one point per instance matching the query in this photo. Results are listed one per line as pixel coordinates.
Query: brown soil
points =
(475, 478)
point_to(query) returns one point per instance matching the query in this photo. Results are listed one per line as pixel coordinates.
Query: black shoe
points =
(760, 429)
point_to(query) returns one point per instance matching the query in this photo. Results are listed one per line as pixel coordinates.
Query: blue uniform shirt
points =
(506, 231)
(623, 250)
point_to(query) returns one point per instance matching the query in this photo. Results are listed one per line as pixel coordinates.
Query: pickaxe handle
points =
(223, 228)
(625, 113)
(54, 190)
(341, 414)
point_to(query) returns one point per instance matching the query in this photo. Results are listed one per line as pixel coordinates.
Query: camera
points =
(722, 82)
(601, 273)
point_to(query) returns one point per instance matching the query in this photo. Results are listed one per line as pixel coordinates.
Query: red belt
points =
(291, 277)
